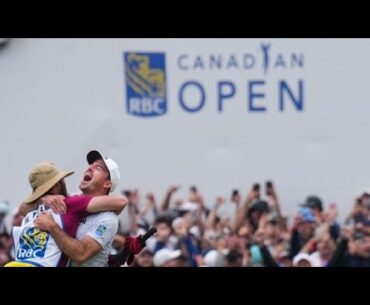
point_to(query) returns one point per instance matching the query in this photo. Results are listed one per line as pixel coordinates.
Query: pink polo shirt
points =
(76, 211)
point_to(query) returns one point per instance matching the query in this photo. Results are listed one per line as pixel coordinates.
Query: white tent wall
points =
(59, 98)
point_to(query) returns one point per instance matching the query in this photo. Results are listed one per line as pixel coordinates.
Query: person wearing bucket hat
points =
(34, 246)
(96, 233)
(43, 178)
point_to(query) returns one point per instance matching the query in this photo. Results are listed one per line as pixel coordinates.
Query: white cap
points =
(301, 256)
(210, 259)
(164, 255)
(112, 166)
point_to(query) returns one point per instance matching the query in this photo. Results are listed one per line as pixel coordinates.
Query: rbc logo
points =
(32, 243)
(145, 84)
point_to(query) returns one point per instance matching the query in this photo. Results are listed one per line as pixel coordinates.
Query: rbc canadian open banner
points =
(216, 113)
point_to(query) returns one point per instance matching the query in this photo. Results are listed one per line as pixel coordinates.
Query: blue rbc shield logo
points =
(145, 84)
(32, 243)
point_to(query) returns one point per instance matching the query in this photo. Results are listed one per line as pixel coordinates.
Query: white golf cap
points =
(164, 255)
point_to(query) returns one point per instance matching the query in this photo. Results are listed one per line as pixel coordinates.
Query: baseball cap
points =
(313, 202)
(164, 255)
(210, 259)
(112, 166)
(259, 206)
(301, 256)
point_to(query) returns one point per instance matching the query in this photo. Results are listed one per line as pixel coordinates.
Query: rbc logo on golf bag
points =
(145, 84)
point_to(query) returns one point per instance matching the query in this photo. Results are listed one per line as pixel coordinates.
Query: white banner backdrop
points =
(223, 114)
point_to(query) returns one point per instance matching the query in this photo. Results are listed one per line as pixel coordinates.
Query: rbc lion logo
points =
(145, 84)
(32, 243)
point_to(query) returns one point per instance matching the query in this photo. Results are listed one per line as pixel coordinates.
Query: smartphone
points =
(193, 189)
(256, 187)
(269, 188)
